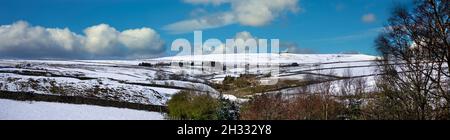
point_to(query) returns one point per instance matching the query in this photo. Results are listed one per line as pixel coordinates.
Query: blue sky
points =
(324, 26)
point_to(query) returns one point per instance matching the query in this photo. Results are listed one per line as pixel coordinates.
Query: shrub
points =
(187, 105)
(228, 80)
(228, 110)
(264, 107)
(301, 107)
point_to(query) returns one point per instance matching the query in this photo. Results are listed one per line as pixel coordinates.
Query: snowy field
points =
(26, 110)
(111, 80)
(126, 81)
(273, 58)
(289, 66)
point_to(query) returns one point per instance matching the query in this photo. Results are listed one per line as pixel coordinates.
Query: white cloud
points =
(207, 22)
(244, 12)
(21, 40)
(65, 38)
(199, 12)
(142, 42)
(369, 18)
(141, 38)
(24, 41)
(221, 47)
(101, 39)
(244, 35)
(261, 12)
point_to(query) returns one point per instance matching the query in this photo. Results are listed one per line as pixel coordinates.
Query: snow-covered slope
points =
(111, 80)
(124, 80)
(283, 66)
(25, 110)
(288, 66)
(280, 58)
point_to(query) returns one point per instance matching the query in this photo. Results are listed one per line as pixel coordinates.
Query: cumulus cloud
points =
(244, 36)
(21, 40)
(104, 40)
(244, 12)
(285, 47)
(219, 47)
(24, 41)
(206, 22)
(369, 18)
(261, 12)
(101, 39)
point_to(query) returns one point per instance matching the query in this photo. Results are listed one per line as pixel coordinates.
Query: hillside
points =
(128, 81)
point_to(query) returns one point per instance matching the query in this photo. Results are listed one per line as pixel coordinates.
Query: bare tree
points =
(346, 85)
(415, 49)
(326, 90)
(352, 91)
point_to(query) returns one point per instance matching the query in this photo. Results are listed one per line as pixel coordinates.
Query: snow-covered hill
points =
(125, 81)
(111, 80)
(288, 66)
(271, 57)
(280, 66)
